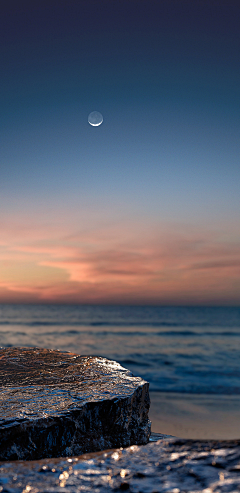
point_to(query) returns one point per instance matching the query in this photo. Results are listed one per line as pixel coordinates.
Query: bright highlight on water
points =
(95, 118)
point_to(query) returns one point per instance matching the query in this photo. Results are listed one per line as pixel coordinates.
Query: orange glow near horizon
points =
(118, 265)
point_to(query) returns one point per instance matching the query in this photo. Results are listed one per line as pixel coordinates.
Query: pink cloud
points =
(117, 263)
(217, 264)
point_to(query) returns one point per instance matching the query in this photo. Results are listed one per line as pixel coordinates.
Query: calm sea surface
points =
(178, 350)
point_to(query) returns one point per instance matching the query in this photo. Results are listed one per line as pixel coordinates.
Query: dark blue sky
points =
(165, 75)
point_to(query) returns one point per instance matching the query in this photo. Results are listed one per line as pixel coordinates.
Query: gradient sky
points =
(144, 208)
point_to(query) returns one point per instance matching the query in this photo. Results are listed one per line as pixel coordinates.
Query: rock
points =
(168, 465)
(56, 404)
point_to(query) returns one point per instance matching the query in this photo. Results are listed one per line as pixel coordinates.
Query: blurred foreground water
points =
(189, 355)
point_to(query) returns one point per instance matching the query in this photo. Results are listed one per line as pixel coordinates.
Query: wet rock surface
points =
(167, 465)
(56, 404)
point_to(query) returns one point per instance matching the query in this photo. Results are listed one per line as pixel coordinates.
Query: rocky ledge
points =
(60, 404)
(167, 466)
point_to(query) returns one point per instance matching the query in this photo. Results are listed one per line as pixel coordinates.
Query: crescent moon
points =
(95, 118)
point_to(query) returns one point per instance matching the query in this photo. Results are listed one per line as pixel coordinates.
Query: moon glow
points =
(95, 119)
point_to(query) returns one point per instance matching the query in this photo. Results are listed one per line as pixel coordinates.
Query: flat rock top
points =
(42, 382)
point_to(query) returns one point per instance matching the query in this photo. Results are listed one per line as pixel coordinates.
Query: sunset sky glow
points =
(143, 209)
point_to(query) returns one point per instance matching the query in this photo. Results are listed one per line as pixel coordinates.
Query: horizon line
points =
(119, 304)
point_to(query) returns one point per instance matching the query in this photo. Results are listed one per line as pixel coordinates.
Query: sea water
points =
(189, 355)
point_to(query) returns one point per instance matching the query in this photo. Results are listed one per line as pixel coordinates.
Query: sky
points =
(143, 209)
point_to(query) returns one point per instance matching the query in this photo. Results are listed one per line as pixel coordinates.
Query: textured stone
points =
(166, 466)
(56, 404)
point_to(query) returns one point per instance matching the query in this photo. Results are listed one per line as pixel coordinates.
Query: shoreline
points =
(195, 416)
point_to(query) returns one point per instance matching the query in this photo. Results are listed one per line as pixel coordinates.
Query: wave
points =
(133, 362)
(103, 333)
(224, 391)
(98, 324)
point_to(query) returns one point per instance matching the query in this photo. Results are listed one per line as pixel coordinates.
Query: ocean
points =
(189, 355)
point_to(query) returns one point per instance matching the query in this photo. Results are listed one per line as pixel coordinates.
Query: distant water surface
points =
(180, 351)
